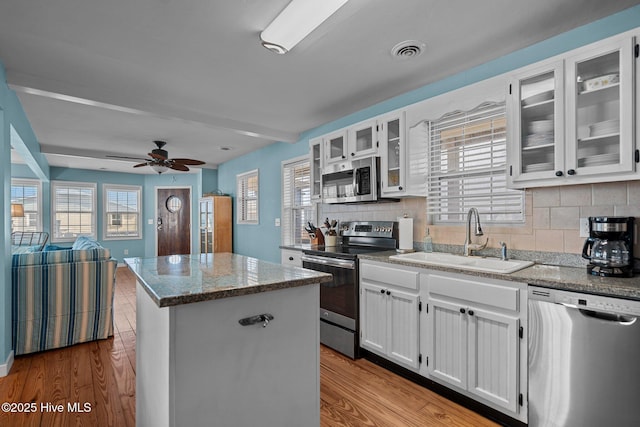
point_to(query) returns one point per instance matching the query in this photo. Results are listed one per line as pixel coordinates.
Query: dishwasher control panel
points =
(586, 301)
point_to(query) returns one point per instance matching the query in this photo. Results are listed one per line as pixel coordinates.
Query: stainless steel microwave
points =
(351, 181)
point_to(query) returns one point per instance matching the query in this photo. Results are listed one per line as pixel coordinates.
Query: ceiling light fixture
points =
(159, 168)
(296, 22)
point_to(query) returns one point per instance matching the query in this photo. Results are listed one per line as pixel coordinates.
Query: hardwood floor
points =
(102, 374)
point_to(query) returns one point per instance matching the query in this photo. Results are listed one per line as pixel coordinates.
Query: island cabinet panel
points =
(199, 366)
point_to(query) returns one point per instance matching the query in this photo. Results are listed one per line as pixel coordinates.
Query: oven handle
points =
(332, 262)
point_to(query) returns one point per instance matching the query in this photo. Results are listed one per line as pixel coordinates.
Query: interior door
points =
(173, 224)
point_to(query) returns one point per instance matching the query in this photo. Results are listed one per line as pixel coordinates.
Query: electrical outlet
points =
(584, 227)
(277, 222)
(126, 251)
(150, 221)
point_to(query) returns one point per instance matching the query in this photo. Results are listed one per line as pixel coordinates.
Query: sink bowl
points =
(472, 263)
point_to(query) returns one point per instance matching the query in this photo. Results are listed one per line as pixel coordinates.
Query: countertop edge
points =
(574, 279)
(267, 286)
(230, 293)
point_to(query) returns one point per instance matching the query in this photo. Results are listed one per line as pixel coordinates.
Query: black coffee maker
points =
(609, 247)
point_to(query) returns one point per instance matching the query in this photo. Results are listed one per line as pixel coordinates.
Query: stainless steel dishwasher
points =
(584, 360)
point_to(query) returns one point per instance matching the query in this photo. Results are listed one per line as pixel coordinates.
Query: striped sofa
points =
(61, 297)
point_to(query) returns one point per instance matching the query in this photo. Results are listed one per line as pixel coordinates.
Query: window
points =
(73, 210)
(122, 212)
(467, 168)
(28, 193)
(247, 197)
(297, 208)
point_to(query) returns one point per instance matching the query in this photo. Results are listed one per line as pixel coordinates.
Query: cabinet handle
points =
(353, 154)
(462, 310)
(388, 292)
(382, 291)
(470, 312)
(571, 172)
(264, 318)
(343, 156)
(290, 258)
(399, 188)
(559, 173)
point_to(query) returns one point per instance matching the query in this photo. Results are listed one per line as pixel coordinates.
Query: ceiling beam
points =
(230, 125)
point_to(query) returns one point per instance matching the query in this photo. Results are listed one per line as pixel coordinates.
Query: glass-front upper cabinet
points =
(335, 147)
(393, 157)
(363, 139)
(600, 109)
(315, 152)
(536, 123)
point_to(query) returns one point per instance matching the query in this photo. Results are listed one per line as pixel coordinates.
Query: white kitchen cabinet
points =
(474, 339)
(373, 317)
(536, 123)
(316, 162)
(570, 118)
(362, 139)
(393, 159)
(404, 160)
(335, 146)
(356, 141)
(599, 89)
(389, 313)
(291, 257)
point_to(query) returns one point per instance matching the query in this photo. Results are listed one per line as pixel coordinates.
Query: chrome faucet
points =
(468, 246)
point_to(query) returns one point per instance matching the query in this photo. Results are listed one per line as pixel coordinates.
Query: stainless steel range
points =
(339, 301)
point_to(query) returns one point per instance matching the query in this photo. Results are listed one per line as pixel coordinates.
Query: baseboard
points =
(5, 368)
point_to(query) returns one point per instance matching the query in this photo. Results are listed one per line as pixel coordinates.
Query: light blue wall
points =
(14, 130)
(117, 247)
(262, 240)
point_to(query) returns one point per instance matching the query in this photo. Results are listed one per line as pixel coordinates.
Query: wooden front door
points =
(174, 221)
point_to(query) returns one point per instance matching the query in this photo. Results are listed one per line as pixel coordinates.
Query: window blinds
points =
(74, 211)
(297, 208)
(248, 198)
(467, 161)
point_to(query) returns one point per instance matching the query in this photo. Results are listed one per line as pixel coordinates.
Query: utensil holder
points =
(331, 241)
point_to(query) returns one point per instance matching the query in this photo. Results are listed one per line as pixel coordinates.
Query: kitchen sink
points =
(471, 263)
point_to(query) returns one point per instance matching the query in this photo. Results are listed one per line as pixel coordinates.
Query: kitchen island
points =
(226, 340)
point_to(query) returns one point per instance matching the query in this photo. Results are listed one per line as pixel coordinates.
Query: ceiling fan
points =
(160, 161)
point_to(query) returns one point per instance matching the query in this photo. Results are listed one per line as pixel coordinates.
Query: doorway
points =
(173, 223)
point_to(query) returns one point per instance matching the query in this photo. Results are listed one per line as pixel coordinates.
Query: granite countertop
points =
(549, 276)
(182, 279)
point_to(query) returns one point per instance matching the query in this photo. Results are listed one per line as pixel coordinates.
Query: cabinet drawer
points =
(392, 276)
(474, 290)
(291, 257)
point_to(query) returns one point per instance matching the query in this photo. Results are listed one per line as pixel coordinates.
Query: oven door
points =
(338, 298)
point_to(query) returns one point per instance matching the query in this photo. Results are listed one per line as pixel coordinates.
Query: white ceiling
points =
(109, 77)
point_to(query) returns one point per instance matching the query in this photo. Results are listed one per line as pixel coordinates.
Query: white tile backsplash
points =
(552, 216)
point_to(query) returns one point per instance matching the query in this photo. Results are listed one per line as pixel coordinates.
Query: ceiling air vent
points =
(407, 49)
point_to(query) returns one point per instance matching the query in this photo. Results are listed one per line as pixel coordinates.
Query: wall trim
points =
(5, 368)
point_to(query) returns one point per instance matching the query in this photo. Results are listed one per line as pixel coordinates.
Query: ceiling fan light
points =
(159, 168)
(296, 22)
